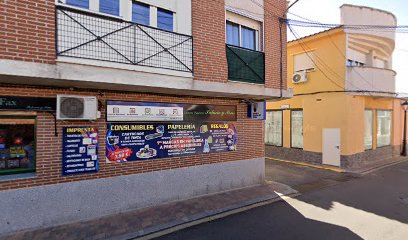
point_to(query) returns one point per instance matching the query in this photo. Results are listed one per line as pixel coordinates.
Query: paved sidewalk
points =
(155, 221)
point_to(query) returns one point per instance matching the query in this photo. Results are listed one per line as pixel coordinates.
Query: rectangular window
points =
(109, 7)
(296, 129)
(164, 19)
(383, 128)
(304, 61)
(17, 145)
(141, 13)
(232, 34)
(368, 129)
(273, 128)
(78, 3)
(248, 38)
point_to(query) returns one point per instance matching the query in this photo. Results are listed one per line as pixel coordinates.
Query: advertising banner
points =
(120, 111)
(79, 150)
(133, 141)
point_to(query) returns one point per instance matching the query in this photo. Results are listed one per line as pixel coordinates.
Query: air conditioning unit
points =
(70, 107)
(299, 77)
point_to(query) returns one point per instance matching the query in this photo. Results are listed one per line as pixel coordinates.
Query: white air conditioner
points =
(72, 107)
(299, 77)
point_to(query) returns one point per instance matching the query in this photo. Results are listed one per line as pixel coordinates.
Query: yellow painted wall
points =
(330, 48)
(337, 110)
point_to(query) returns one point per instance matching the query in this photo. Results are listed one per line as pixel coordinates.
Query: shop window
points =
(383, 128)
(17, 145)
(296, 129)
(164, 19)
(273, 128)
(78, 3)
(141, 13)
(368, 129)
(109, 7)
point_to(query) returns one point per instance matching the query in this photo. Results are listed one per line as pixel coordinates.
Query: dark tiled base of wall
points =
(367, 159)
(293, 154)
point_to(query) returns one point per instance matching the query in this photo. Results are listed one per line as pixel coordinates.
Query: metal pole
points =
(404, 140)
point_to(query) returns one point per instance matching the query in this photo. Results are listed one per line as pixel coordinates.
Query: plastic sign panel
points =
(120, 111)
(135, 142)
(257, 110)
(79, 150)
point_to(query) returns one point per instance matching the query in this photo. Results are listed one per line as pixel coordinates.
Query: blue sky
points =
(328, 11)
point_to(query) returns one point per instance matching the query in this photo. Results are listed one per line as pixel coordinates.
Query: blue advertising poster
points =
(137, 141)
(80, 150)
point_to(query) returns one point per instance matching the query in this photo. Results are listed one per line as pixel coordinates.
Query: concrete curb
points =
(208, 216)
(376, 168)
(339, 170)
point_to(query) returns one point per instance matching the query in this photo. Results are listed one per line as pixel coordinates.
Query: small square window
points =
(141, 13)
(164, 19)
(79, 3)
(109, 7)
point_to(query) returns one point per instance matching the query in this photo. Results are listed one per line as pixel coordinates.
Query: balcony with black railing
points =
(245, 65)
(87, 35)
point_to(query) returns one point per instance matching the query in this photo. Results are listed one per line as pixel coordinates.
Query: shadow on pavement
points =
(277, 221)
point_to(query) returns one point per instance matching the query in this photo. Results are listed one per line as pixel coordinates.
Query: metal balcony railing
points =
(82, 34)
(245, 65)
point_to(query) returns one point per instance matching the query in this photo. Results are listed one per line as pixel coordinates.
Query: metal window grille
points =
(245, 65)
(86, 35)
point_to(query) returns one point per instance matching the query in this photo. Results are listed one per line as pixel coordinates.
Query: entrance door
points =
(331, 146)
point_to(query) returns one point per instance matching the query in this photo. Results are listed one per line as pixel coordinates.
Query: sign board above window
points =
(27, 103)
(120, 111)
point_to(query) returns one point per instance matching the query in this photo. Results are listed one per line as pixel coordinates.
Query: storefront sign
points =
(80, 150)
(132, 141)
(119, 111)
(257, 110)
(27, 103)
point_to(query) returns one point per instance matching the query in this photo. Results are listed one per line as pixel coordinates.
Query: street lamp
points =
(404, 140)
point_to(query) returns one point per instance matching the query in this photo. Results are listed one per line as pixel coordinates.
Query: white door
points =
(331, 146)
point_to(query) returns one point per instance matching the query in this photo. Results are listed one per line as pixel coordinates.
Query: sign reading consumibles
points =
(79, 150)
(133, 141)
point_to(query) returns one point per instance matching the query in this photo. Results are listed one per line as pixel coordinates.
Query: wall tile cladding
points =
(27, 30)
(210, 63)
(48, 165)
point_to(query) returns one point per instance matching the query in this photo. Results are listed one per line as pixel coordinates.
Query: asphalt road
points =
(371, 207)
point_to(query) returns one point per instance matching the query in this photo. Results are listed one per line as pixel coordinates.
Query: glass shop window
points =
(141, 13)
(109, 7)
(164, 19)
(273, 128)
(368, 129)
(78, 3)
(296, 129)
(383, 128)
(17, 145)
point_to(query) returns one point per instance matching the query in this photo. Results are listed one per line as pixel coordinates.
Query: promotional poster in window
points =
(135, 141)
